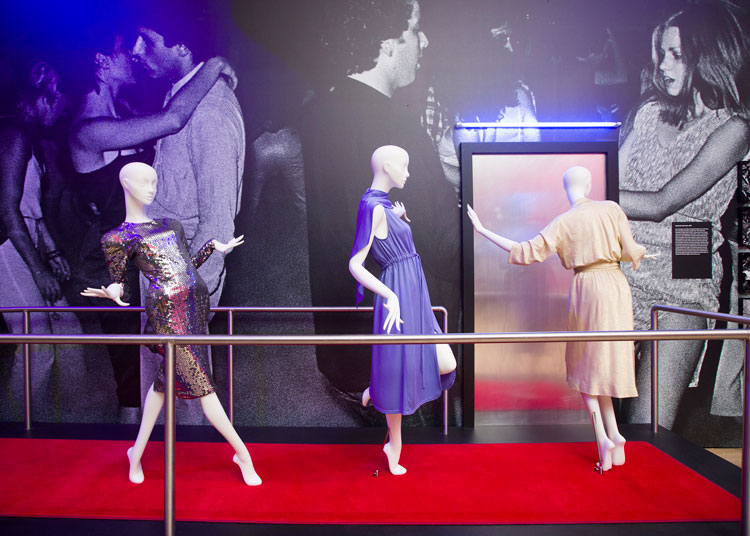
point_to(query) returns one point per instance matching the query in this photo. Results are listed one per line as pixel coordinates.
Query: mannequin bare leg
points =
(215, 415)
(446, 359)
(604, 443)
(218, 418)
(613, 432)
(151, 409)
(392, 449)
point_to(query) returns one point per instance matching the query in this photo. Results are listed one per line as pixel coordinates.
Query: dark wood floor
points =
(712, 467)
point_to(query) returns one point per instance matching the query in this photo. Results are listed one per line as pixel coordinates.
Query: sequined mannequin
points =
(177, 298)
(176, 303)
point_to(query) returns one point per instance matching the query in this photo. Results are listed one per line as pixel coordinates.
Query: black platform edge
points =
(719, 471)
(111, 527)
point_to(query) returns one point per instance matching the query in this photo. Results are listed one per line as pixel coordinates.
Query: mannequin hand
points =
(233, 243)
(394, 314)
(478, 227)
(60, 268)
(48, 286)
(400, 210)
(112, 292)
(226, 71)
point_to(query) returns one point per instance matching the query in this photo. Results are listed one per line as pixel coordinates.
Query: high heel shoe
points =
(605, 458)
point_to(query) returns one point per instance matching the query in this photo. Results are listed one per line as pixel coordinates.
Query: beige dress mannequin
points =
(591, 238)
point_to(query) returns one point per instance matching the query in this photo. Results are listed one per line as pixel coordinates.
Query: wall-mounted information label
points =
(691, 250)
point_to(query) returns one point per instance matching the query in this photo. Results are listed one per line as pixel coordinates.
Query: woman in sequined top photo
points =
(677, 158)
(176, 303)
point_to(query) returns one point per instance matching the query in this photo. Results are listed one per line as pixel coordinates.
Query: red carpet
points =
(446, 484)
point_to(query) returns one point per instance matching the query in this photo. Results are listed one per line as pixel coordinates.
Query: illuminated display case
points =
(516, 188)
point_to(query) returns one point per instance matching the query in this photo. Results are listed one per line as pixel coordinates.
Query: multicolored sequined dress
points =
(177, 297)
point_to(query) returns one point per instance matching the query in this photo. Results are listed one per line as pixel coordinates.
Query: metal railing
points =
(230, 330)
(655, 309)
(456, 338)
(655, 348)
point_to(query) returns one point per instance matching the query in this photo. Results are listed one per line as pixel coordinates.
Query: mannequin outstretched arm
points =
(365, 278)
(229, 246)
(202, 255)
(114, 292)
(500, 241)
(116, 255)
(208, 248)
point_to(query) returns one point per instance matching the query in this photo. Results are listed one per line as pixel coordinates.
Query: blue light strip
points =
(542, 124)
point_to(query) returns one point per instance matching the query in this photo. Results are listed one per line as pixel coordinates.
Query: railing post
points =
(445, 393)
(169, 441)
(230, 367)
(654, 374)
(26, 373)
(744, 525)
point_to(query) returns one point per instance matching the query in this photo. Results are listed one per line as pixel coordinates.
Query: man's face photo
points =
(156, 59)
(408, 48)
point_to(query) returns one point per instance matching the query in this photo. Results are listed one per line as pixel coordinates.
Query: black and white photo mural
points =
(260, 118)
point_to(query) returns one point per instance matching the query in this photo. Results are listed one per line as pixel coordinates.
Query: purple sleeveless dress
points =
(403, 377)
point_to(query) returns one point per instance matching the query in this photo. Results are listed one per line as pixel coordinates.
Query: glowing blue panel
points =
(542, 124)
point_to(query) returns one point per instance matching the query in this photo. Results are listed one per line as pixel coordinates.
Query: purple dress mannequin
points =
(403, 377)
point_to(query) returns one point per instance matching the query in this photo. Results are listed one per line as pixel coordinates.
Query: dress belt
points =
(598, 266)
(399, 259)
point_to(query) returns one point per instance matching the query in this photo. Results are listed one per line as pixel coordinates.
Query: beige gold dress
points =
(592, 238)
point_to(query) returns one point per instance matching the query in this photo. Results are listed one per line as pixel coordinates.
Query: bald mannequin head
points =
(577, 183)
(135, 170)
(389, 167)
(385, 153)
(139, 180)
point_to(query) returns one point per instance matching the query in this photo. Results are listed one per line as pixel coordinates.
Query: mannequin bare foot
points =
(606, 448)
(366, 397)
(249, 475)
(393, 465)
(136, 473)
(618, 454)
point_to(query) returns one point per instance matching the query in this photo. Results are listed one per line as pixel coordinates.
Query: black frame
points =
(467, 151)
